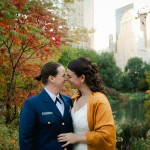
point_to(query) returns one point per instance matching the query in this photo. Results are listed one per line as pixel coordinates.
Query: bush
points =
(133, 136)
(8, 137)
(140, 144)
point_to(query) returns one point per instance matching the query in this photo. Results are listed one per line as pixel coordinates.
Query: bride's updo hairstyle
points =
(84, 66)
(48, 69)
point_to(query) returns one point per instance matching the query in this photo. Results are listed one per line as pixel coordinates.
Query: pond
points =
(129, 111)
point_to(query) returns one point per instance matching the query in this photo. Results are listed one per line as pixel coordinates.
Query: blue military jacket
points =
(41, 122)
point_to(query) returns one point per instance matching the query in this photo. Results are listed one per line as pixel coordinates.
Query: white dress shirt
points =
(53, 97)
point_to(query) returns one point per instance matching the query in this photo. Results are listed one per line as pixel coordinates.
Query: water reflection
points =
(129, 111)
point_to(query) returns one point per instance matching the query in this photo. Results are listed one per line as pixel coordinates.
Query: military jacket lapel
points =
(50, 103)
(67, 108)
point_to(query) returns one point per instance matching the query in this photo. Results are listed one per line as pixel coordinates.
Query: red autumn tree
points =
(31, 32)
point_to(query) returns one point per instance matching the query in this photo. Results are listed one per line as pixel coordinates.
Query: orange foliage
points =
(19, 3)
(13, 141)
(28, 34)
(148, 92)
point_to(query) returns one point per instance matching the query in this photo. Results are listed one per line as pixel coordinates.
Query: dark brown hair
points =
(84, 66)
(48, 69)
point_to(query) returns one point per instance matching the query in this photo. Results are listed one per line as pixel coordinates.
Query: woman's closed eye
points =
(69, 76)
(64, 75)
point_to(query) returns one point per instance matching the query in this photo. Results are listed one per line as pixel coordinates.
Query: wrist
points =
(77, 136)
(80, 138)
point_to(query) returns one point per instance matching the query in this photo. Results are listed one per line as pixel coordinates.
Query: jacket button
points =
(63, 123)
(49, 122)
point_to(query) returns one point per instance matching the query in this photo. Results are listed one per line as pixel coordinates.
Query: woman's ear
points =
(51, 78)
(82, 78)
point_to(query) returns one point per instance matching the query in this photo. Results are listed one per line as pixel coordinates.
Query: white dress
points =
(80, 125)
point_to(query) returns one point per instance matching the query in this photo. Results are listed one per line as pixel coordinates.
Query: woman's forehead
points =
(69, 72)
(61, 69)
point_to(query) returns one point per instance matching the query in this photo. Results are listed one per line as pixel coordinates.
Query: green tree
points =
(70, 53)
(67, 54)
(134, 76)
(147, 74)
(111, 74)
(89, 53)
(126, 83)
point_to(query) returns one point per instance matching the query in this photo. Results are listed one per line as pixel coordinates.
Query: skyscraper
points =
(81, 15)
(132, 35)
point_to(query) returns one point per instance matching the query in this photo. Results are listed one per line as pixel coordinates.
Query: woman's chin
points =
(74, 87)
(63, 88)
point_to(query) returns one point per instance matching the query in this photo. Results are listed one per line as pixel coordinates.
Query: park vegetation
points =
(33, 32)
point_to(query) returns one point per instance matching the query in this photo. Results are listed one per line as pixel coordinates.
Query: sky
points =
(105, 19)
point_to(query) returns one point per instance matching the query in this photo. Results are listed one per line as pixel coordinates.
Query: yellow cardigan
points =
(102, 134)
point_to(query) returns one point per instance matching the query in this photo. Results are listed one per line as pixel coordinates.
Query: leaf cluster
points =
(31, 32)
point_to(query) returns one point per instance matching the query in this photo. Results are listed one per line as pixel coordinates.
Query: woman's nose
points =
(66, 78)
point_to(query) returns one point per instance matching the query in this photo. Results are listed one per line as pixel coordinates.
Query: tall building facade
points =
(112, 45)
(132, 34)
(81, 15)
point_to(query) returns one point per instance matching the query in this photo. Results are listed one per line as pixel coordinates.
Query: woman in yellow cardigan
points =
(93, 122)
